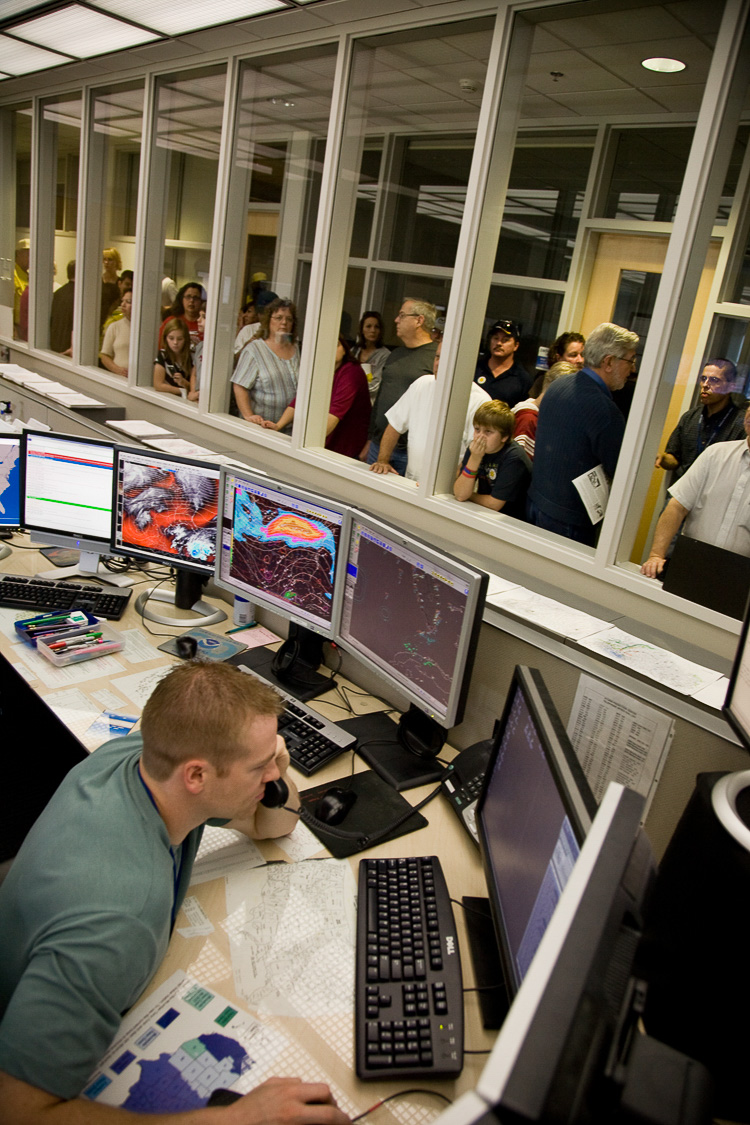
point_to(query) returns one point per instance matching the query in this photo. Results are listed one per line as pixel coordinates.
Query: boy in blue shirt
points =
(494, 464)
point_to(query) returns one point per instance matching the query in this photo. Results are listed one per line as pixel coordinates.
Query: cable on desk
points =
(402, 1094)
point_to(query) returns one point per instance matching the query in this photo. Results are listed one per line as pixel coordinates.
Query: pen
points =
(85, 646)
(250, 625)
(75, 642)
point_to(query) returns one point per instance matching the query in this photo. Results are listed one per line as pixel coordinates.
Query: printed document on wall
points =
(618, 738)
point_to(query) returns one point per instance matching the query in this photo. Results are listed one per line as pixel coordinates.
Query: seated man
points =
(88, 907)
(712, 499)
(717, 417)
(412, 413)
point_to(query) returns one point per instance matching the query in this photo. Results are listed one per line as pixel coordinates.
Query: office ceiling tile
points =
(609, 103)
(578, 73)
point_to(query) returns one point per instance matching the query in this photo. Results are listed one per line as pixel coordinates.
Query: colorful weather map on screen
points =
(169, 509)
(286, 553)
(10, 482)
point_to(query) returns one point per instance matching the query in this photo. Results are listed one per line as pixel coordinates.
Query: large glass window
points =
(59, 166)
(278, 152)
(16, 203)
(112, 208)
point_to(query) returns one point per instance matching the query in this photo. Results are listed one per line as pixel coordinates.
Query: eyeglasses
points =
(403, 315)
(623, 359)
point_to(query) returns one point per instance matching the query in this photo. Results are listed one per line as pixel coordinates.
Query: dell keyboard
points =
(409, 987)
(311, 740)
(35, 594)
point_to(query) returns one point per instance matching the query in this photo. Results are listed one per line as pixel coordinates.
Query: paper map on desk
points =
(177, 1047)
(658, 664)
(291, 929)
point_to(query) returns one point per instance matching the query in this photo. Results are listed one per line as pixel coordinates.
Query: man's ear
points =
(195, 775)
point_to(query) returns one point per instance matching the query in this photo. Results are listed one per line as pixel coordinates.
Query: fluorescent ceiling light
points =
(176, 17)
(663, 66)
(22, 58)
(81, 32)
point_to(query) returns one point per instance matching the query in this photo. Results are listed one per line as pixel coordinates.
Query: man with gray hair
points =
(415, 357)
(579, 428)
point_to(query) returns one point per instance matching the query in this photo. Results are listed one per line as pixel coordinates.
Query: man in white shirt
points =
(412, 412)
(712, 499)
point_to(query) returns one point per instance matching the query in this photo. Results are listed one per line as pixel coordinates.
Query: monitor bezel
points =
(525, 1061)
(262, 481)
(478, 581)
(729, 710)
(158, 558)
(15, 439)
(84, 543)
(575, 792)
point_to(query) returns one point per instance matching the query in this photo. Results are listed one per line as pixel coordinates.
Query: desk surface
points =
(443, 836)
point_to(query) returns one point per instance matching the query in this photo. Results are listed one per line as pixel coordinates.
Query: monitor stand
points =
(185, 596)
(387, 747)
(485, 958)
(88, 566)
(294, 666)
(4, 551)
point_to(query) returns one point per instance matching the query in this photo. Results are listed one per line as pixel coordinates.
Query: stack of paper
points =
(137, 427)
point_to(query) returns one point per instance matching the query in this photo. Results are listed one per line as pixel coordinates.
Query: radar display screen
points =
(166, 509)
(406, 613)
(282, 548)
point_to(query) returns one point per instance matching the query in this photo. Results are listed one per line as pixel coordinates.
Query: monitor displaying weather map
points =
(279, 547)
(412, 613)
(165, 509)
(10, 480)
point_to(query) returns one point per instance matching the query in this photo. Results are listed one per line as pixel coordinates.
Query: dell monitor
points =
(67, 497)
(165, 512)
(280, 547)
(412, 615)
(571, 1049)
(10, 488)
(532, 816)
(737, 704)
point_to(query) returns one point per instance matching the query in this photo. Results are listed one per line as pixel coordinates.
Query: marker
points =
(250, 625)
(74, 642)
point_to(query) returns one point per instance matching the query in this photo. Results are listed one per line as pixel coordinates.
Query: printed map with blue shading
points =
(10, 482)
(179, 1046)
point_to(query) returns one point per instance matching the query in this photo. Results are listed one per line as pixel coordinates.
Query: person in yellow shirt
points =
(20, 280)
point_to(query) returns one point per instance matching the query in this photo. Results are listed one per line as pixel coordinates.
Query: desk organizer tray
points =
(60, 622)
(73, 647)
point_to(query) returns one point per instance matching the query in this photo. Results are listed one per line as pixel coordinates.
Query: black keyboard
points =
(409, 992)
(311, 740)
(19, 592)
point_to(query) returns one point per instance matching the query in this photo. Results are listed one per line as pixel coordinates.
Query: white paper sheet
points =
(138, 648)
(291, 929)
(618, 738)
(137, 427)
(221, 851)
(658, 664)
(549, 614)
(138, 686)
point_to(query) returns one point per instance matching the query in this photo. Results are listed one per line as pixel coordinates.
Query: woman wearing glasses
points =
(265, 379)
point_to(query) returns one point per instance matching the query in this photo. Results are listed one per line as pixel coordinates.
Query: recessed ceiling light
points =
(663, 66)
(81, 32)
(22, 58)
(175, 17)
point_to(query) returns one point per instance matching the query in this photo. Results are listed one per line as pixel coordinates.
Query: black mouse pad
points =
(377, 805)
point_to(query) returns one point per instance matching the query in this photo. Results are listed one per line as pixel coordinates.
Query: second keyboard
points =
(311, 740)
(409, 985)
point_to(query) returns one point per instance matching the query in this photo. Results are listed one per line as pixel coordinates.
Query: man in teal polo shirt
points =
(88, 907)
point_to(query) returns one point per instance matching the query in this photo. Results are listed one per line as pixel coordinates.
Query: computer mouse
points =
(187, 647)
(334, 805)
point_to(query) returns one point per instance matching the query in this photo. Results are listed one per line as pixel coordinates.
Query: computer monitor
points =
(165, 512)
(570, 1048)
(412, 615)
(280, 547)
(737, 703)
(10, 488)
(67, 496)
(533, 813)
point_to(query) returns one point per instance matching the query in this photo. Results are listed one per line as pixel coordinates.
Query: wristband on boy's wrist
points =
(469, 472)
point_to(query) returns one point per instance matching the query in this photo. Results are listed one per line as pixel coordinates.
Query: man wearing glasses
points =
(414, 324)
(719, 416)
(579, 428)
(497, 371)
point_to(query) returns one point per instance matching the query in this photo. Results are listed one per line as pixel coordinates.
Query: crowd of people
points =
(528, 445)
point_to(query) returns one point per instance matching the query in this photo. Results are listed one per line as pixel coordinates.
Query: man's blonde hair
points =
(202, 709)
(424, 309)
